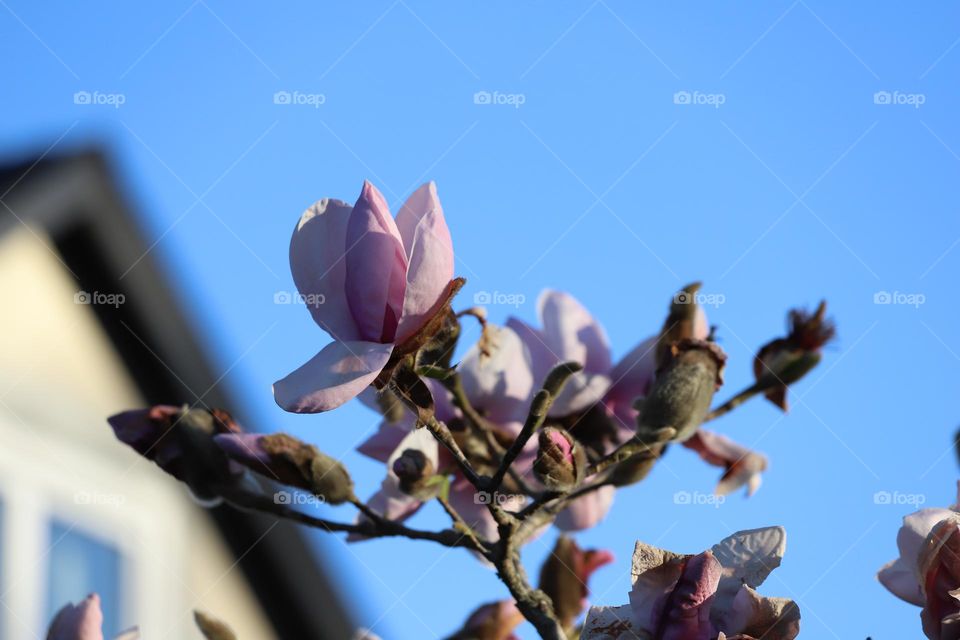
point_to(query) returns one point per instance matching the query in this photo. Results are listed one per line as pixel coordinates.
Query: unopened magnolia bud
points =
(783, 361)
(211, 628)
(287, 460)
(180, 441)
(561, 460)
(686, 320)
(414, 470)
(565, 574)
(492, 621)
(683, 389)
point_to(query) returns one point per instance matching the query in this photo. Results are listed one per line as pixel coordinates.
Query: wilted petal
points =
(655, 574)
(586, 511)
(756, 616)
(939, 571)
(376, 268)
(747, 557)
(429, 251)
(78, 622)
(335, 375)
(741, 466)
(610, 623)
(499, 384)
(319, 268)
(571, 333)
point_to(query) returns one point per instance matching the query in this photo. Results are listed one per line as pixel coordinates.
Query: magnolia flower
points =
(927, 573)
(565, 574)
(373, 283)
(702, 596)
(492, 621)
(83, 621)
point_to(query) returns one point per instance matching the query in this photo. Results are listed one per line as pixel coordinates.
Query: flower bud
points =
(180, 441)
(683, 389)
(686, 320)
(287, 460)
(565, 574)
(561, 461)
(414, 470)
(492, 621)
(211, 628)
(783, 361)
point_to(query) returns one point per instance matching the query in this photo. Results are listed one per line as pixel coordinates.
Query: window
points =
(78, 565)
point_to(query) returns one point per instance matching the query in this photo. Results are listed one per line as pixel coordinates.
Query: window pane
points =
(80, 565)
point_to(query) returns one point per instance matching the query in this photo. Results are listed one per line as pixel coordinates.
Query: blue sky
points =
(625, 150)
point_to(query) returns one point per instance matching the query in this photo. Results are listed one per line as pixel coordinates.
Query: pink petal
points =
(319, 268)
(499, 384)
(380, 445)
(586, 511)
(742, 466)
(571, 332)
(581, 391)
(656, 573)
(916, 527)
(631, 379)
(687, 615)
(376, 268)
(900, 579)
(78, 622)
(335, 375)
(429, 251)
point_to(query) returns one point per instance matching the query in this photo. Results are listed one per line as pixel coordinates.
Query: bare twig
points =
(735, 401)
(444, 437)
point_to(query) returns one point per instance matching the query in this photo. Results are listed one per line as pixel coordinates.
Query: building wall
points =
(59, 380)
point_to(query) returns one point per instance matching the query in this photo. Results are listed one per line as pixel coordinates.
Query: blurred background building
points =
(84, 335)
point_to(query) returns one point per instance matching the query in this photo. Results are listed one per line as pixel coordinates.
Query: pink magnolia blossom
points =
(83, 621)
(371, 282)
(927, 570)
(701, 596)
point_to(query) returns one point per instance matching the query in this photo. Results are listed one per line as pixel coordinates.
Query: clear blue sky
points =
(799, 185)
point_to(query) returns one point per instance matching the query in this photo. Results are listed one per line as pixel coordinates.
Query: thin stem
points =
(539, 408)
(631, 448)
(443, 435)
(735, 401)
(458, 522)
(377, 527)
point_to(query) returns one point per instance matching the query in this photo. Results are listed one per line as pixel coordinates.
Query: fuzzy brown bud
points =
(561, 460)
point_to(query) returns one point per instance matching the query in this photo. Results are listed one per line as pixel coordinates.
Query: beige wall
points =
(59, 379)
